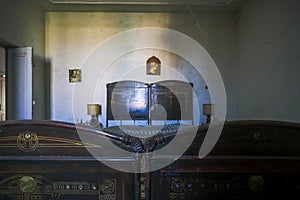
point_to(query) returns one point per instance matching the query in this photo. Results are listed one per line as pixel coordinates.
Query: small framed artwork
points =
(153, 66)
(74, 75)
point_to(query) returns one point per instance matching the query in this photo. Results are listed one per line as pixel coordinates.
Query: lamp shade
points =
(208, 109)
(93, 109)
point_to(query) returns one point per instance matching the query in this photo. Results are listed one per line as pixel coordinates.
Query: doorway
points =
(15, 83)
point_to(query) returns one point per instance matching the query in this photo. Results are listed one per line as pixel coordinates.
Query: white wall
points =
(71, 37)
(256, 52)
(267, 75)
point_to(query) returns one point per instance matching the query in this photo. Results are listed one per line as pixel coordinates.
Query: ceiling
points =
(150, 2)
(139, 5)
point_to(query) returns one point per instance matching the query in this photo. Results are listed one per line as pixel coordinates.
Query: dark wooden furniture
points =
(49, 160)
(45, 160)
(137, 101)
(251, 160)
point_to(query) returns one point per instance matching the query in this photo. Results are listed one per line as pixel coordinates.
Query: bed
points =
(252, 159)
(47, 160)
(51, 160)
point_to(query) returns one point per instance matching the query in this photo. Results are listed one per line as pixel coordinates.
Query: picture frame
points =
(75, 75)
(153, 66)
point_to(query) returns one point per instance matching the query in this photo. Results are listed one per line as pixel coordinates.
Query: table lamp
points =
(94, 110)
(208, 110)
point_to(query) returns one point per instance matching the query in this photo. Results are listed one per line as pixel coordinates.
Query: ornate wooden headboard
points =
(49, 160)
(252, 159)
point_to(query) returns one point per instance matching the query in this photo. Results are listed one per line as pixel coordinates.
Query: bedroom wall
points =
(71, 39)
(255, 51)
(267, 74)
(2, 60)
(22, 24)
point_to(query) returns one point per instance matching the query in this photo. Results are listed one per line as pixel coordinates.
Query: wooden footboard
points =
(51, 160)
(251, 160)
(48, 160)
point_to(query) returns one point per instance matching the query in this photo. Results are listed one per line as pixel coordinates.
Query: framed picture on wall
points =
(74, 75)
(153, 66)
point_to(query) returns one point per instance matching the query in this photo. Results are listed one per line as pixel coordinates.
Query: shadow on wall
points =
(47, 88)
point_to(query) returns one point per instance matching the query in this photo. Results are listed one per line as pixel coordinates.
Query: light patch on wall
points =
(75, 75)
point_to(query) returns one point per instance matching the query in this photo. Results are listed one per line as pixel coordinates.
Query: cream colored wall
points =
(73, 38)
(268, 61)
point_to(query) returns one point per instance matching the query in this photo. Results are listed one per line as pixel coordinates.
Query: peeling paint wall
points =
(71, 37)
(255, 50)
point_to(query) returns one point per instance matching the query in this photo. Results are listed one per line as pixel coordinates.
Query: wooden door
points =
(19, 83)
